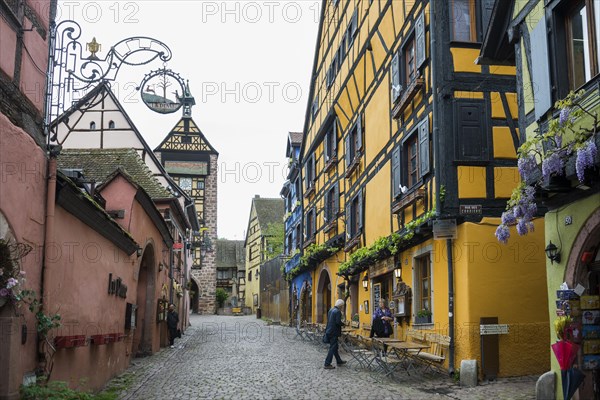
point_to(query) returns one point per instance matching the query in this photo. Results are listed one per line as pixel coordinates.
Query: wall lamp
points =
(138, 251)
(365, 282)
(552, 252)
(398, 273)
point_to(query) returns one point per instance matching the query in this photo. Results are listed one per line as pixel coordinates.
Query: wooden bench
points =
(435, 357)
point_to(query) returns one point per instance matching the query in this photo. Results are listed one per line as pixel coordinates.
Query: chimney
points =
(257, 196)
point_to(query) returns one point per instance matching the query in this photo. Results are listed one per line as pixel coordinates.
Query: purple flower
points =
(4, 292)
(552, 165)
(527, 165)
(518, 211)
(564, 115)
(508, 217)
(502, 233)
(11, 283)
(524, 226)
(585, 158)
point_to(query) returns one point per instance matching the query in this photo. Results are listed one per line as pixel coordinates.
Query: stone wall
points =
(207, 275)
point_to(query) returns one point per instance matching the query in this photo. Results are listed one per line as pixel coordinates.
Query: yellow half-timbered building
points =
(406, 138)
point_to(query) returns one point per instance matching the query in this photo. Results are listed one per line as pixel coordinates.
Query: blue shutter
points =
(396, 171)
(348, 220)
(336, 200)
(420, 47)
(541, 86)
(424, 146)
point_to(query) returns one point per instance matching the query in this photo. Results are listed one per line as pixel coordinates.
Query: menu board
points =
(376, 295)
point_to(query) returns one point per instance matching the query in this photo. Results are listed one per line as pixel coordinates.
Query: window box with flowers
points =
(546, 159)
(423, 317)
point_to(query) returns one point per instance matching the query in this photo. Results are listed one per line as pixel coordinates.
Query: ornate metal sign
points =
(163, 91)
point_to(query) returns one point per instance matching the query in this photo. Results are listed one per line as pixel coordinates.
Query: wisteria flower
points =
(585, 158)
(502, 233)
(526, 166)
(4, 292)
(522, 227)
(508, 217)
(564, 115)
(552, 165)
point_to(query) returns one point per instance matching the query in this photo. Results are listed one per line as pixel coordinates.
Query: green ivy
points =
(313, 255)
(384, 246)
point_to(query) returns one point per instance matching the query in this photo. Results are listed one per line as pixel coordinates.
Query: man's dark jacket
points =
(172, 320)
(334, 323)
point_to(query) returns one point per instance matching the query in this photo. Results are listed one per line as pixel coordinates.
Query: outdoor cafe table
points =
(402, 350)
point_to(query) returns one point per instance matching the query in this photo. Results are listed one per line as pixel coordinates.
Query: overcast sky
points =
(248, 63)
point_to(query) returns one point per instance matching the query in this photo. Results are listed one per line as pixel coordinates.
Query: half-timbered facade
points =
(403, 130)
(555, 46)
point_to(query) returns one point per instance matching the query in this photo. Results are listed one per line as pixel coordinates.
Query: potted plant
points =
(423, 317)
(355, 321)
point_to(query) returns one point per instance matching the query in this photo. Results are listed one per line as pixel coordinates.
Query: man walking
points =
(332, 333)
(172, 321)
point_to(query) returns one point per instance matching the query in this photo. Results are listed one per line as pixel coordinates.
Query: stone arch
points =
(195, 298)
(323, 295)
(305, 302)
(146, 300)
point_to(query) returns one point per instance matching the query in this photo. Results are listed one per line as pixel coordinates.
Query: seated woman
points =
(382, 318)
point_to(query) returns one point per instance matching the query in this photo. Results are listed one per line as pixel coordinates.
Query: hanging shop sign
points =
(162, 91)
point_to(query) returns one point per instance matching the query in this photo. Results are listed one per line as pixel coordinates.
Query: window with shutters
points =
(405, 67)
(471, 132)
(314, 108)
(310, 227)
(309, 175)
(469, 19)
(354, 220)
(298, 236)
(352, 29)
(411, 160)
(330, 144)
(353, 147)
(331, 207)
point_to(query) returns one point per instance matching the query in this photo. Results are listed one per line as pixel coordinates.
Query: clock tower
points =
(192, 162)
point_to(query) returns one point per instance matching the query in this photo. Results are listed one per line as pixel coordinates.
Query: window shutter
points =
(395, 77)
(424, 146)
(396, 171)
(348, 156)
(306, 178)
(314, 223)
(472, 132)
(326, 146)
(420, 47)
(313, 174)
(354, 24)
(487, 6)
(348, 220)
(327, 211)
(539, 69)
(359, 134)
(334, 137)
(304, 234)
(336, 200)
(360, 210)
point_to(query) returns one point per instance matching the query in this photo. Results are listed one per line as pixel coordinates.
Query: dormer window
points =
(92, 125)
(111, 125)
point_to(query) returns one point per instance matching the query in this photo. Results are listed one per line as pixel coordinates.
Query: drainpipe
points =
(437, 174)
(48, 234)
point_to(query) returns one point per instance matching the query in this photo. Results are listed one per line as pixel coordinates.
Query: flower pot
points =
(423, 320)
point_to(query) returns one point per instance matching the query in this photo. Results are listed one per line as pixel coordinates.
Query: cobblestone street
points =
(223, 357)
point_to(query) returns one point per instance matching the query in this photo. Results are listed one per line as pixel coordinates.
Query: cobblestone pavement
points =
(226, 357)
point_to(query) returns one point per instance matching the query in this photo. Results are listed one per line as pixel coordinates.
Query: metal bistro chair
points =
(387, 361)
(358, 350)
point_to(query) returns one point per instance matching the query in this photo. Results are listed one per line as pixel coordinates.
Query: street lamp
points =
(398, 273)
(365, 282)
(552, 252)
